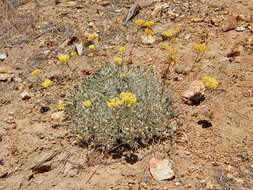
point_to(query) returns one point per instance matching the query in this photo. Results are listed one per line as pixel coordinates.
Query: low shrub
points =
(120, 106)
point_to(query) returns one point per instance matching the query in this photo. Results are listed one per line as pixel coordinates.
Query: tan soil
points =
(220, 156)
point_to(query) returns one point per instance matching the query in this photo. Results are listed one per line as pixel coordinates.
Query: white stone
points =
(79, 49)
(195, 93)
(58, 116)
(148, 39)
(240, 29)
(161, 169)
(3, 56)
(25, 95)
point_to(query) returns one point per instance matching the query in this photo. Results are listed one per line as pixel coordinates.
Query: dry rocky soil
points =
(213, 146)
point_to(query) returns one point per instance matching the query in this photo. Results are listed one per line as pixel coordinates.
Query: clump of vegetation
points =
(172, 53)
(171, 33)
(120, 107)
(210, 82)
(200, 50)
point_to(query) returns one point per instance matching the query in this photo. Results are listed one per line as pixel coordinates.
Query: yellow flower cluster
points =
(92, 47)
(117, 60)
(149, 32)
(167, 34)
(139, 22)
(87, 103)
(92, 36)
(73, 54)
(114, 103)
(47, 83)
(125, 98)
(200, 48)
(143, 23)
(36, 72)
(60, 106)
(128, 98)
(147, 25)
(63, 58)
(171, 51)
(210, 82)
(122, 50)
(170, 33)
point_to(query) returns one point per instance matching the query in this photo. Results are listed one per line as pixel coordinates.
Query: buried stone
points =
(195, 93)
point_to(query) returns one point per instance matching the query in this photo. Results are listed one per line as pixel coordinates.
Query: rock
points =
(58, 116)
(195, 94)
(231, 23)
(240, 29)
(17, 79)
(235, 50)
(79, 49)
(103, 2)
(157, 12)
(182, 69)
(6, 70)
(148, 39)
(25, 95)
(161, 169)
(6, 73)
(3, 56)
(6, 77)
(145, 3)
(187, 36)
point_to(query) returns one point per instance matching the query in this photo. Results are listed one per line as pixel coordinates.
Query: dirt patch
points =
(37, 152)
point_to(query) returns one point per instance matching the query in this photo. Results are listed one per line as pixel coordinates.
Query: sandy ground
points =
(37, 152)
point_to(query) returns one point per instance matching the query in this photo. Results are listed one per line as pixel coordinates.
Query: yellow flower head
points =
(171, 50)
(128, 98)
(149, 32)
(199, 48)
(114, 103)
(92, 36)
(117, 60)
(149, 24)
(36, 72)
(73, 54)
(47, 83)
(63, 58)
(139, 22)
(167, 34)
(87, 104)
(60, 106)
(92, 47)
(122, 50)
(210, 82)
(177, 30)
(90, 55)
(165, 46)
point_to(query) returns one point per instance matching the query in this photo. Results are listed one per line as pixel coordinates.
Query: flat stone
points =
(195, 93)
(161, 169)
(58, 116)
(79, 49)
(25, 95)
(6, 77)
(240, 29)
(3, 56)
(148, 39)
(182, 69)
(157, 12)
